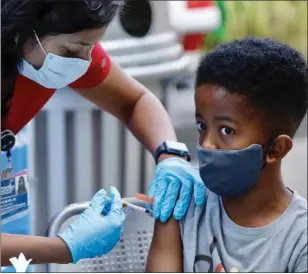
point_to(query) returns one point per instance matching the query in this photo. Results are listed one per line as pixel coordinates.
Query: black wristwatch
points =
(173, 148)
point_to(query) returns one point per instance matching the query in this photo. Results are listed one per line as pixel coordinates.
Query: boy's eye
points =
(226, 131)
(201, 126)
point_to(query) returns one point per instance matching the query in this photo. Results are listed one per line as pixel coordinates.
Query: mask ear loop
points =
(271, 144)
(269, 147)
(39, 42)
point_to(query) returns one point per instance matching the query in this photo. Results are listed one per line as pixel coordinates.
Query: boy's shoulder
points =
(297, 230)
(195, 212)
(208, 225)
(300, 201)
(297, 217)
(293, 220)
(297, 210)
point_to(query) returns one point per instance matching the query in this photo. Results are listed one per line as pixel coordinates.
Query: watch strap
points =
(164, 149)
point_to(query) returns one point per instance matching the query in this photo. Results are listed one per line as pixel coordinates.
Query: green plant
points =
(283, 20)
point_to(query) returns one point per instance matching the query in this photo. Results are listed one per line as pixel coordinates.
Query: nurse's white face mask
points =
(56, 71)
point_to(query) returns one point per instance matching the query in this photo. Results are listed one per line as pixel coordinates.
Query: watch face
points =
(176, 145)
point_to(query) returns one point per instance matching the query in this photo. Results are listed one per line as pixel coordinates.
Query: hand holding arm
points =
(175, 181)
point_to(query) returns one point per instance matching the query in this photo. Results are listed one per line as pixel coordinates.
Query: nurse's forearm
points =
(150, 122)
(40, 249)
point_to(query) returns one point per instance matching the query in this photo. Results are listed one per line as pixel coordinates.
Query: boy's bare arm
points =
(166, 254)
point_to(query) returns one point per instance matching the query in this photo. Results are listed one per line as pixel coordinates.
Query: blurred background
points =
(75, 149)
(72, 149)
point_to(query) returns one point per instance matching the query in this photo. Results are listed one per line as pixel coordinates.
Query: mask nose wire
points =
(38, 40)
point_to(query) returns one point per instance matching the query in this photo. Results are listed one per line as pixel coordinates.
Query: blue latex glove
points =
(92, 234)
(175, 181)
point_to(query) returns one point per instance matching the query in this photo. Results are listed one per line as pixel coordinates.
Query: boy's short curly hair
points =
(272, 75)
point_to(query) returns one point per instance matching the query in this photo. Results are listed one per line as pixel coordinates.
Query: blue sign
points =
(13, 199)
(15, 217)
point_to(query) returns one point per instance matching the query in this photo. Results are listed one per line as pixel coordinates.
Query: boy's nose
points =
(208, 144)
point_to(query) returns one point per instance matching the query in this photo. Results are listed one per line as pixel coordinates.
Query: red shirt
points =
(29, 97)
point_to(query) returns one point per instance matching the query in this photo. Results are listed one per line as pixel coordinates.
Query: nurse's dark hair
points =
(270, 74)
(47, 17)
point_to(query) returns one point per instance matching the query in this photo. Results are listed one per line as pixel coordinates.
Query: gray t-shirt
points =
(212, 242)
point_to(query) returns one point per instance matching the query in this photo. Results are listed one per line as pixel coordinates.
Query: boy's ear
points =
(279, 149)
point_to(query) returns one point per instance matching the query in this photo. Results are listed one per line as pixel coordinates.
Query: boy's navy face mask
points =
(230, 173)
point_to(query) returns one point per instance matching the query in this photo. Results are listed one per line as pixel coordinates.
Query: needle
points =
(130, 206)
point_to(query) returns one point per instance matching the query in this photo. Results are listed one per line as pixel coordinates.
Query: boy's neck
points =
(263, 204)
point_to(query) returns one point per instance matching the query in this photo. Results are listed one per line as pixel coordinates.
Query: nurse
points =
(47, 45)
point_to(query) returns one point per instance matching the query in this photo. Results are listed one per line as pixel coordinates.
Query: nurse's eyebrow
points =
(84, 43)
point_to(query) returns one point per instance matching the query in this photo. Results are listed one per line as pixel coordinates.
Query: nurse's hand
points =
(92, 234)
(174, 183)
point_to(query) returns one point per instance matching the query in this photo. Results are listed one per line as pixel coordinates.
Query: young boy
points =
(251, 96)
